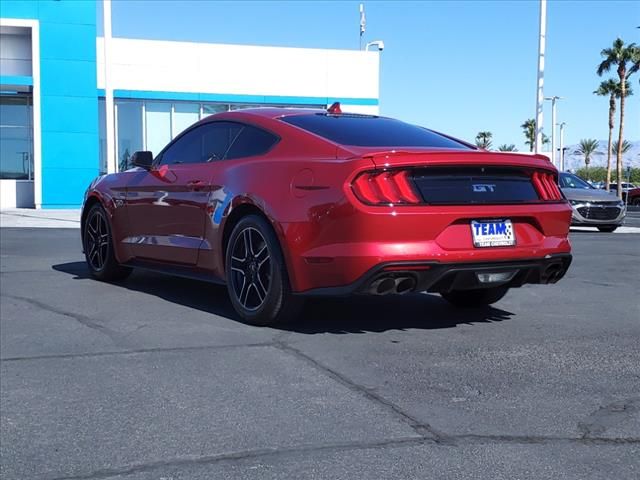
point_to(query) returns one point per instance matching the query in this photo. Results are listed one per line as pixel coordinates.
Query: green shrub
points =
(599, 174)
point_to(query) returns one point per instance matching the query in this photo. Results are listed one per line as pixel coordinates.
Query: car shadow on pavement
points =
(379, 314)
(321, 315)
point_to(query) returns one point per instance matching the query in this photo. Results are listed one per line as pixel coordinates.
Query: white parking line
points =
(595, 230)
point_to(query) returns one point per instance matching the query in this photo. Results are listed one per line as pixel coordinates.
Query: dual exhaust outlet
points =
(392, 285)
(554, 272)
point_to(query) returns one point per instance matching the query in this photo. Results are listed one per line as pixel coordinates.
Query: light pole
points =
(363, 23)
(561, 145)
(553, 128)
(540, 87)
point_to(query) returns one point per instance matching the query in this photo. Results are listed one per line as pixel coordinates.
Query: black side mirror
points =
(142, 160)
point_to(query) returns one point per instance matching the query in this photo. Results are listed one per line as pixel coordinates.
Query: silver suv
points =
(592, 207)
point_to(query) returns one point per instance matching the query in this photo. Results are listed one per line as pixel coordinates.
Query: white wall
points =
(238, 69)
(16, 194)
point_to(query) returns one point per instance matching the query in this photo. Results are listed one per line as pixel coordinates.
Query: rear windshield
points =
(370, 131)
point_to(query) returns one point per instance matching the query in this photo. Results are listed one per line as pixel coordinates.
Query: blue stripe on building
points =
(236, 98)
(19, 80)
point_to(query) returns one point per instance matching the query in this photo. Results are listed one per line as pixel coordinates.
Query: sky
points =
(459, 67)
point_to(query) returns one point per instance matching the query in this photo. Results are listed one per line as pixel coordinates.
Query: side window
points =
(205, 143)
(251, 141)
(217, 138)
(184, 150)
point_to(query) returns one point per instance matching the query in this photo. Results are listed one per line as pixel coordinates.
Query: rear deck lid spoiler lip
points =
(447, 157)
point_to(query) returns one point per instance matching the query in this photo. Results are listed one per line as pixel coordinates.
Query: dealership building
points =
(52, 97)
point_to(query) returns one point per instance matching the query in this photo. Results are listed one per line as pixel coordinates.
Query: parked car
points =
(592, 207)
(633, 196)
(283, 204)
(625, 188)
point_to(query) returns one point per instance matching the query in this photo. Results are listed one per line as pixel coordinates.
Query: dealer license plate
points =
(492, 233)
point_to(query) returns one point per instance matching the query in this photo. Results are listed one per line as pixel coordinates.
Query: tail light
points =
(546, 186)
(384, 188)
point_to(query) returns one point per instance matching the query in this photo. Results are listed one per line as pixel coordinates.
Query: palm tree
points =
(626, 146)
(483, 140)
(611, 88)
(587, 147)
(626, 61)
(529, 128)
(507, 148)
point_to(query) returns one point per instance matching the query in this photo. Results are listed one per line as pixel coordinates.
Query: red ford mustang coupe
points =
(281, 204)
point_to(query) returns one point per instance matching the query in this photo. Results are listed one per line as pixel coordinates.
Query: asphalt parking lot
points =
(154, 379)
(633, 217)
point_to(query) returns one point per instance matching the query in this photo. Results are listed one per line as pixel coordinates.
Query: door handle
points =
(195, 184)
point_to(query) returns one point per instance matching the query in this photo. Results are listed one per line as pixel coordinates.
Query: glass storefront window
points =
(184, 115)
(129, 125)
(158, 126)
(16, 137)
(240, 106)
(210, 109)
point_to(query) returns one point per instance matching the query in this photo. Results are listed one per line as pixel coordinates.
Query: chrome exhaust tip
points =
(553, 273)
(405, 285)
(383, 286)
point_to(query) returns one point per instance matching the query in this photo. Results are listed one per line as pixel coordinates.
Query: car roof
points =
(269, 114)
(274, 112)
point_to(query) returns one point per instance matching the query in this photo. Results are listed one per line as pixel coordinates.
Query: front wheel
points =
(256, 274)
(479, 297)
(98, 247)
(608, 228)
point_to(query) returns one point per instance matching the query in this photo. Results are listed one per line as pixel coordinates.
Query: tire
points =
(256, 274)
(636, 202)
(480, 297)
(608, 228)
(98, 247)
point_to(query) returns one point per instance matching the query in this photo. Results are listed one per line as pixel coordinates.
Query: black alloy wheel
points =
(250, 269)
(257, 278)
(98, 247)
(96, 240)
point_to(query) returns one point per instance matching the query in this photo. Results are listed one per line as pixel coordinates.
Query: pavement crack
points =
(247, 454)
(608, 416)
(137, 351)
(424, 430)
(276, 452)
(476, 439)
(116, 337)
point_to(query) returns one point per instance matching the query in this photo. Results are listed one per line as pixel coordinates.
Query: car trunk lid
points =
(454, 177)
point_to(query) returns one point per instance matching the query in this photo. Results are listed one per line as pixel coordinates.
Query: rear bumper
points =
(346, 242)
(444, 277)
